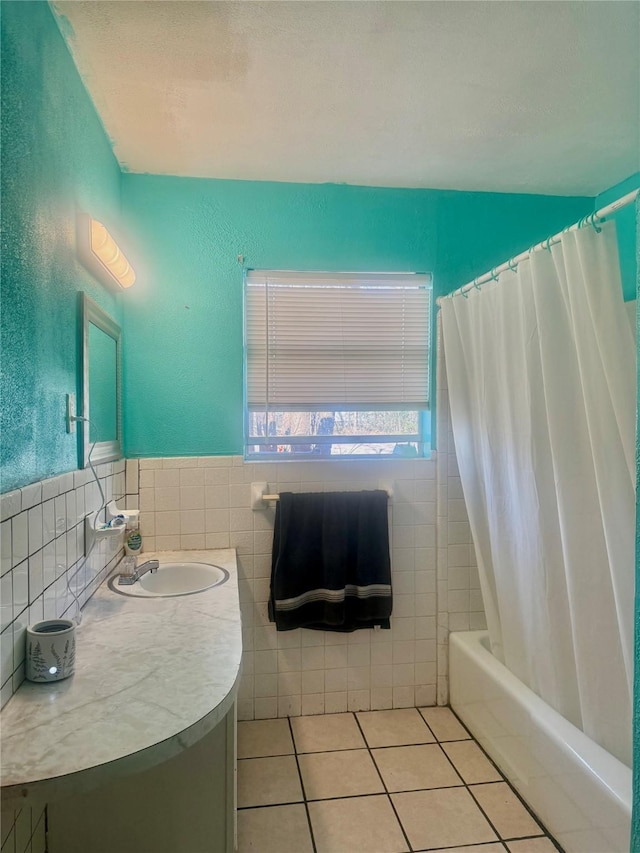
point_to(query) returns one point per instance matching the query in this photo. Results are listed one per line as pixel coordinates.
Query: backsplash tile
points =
(200, 502)
(42, 547)
(10, 504)
(308, 672)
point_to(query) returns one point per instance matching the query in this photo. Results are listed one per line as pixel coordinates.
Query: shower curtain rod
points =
(591, 219)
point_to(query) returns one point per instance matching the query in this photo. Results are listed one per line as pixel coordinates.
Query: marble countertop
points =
(152, 676)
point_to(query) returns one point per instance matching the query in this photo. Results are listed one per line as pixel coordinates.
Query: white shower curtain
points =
(541, 374)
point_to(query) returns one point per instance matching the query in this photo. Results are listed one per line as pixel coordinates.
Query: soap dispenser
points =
(131, 518)
(133, 539)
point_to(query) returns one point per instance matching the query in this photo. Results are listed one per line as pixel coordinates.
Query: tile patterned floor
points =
(376, 782)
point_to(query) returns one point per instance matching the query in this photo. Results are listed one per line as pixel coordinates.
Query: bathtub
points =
(579, 791)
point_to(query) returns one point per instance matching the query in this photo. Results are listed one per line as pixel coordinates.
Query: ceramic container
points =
(51, 650)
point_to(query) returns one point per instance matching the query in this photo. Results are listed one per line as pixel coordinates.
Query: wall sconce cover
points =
(101, 255)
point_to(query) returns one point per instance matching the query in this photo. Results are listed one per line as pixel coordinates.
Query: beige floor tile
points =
(259, 738)
(471, 762)
(444, 724)
(266, 781)
(412, 768)
(326, 732)
(505, 811)
(275, 829)
(339, 774)
(356, 825)
(394, 728)
(442, 818)
(532, 845)
(474, 848)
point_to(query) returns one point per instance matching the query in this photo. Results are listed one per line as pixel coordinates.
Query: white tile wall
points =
(42, 546)
(206, 502)
(459, 600)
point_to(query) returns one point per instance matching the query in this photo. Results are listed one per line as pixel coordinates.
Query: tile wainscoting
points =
(42, 546)
(205, 502)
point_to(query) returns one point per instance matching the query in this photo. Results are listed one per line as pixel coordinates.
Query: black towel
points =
(330, 566)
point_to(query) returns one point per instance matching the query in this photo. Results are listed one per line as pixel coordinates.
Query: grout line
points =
(499, 840)
(479, 845)
(359, 797)
(466, 786)
(304, 793)
(463, 782)
(400, 824)
(545, 831)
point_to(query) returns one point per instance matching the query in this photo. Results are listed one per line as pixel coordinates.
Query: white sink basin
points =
(172, 579)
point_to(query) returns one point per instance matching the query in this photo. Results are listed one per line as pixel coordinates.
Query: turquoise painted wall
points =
(635, 824)
(55, 158)
(183, 320)
(625, 220)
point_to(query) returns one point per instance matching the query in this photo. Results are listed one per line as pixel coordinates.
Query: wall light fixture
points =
(102, 256)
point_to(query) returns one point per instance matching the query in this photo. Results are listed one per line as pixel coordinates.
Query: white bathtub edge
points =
(505, 715)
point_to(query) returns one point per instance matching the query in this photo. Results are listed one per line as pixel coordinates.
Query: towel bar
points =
(259, 494)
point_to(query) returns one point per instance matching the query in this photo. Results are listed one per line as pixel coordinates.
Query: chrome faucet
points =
(138, 571)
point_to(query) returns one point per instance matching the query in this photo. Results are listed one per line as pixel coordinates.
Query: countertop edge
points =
(34, 794)
(38, 791)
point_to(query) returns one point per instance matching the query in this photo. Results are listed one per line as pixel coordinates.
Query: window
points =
(336, 363)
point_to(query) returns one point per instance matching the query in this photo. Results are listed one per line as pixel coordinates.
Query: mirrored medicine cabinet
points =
(101, 381)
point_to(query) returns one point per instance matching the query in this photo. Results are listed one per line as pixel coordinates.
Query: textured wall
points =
(635, 824)
(55, 158)
(183, 320)
(183, 365)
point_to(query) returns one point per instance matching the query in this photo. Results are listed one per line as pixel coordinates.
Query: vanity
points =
(135, 752)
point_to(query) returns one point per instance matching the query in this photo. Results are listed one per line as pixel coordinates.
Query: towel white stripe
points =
(334, 596)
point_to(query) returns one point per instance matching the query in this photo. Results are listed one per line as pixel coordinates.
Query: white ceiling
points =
(504, 96)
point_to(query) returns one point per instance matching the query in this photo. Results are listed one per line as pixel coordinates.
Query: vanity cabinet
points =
(135, 753)
(184, 805)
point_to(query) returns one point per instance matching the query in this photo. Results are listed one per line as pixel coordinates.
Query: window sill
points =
(287, 458)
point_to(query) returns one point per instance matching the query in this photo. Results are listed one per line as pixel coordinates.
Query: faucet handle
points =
(128, 566)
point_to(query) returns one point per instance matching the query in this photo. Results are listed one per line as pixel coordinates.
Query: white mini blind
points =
(337, 341)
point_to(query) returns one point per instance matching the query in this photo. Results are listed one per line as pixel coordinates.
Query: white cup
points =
(51, 650)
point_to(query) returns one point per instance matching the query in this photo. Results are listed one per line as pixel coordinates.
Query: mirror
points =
(101, 380)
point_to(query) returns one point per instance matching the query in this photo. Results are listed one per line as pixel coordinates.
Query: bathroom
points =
(191, 233)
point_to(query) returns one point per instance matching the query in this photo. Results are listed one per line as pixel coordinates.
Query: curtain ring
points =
(512, 265)
(475, 284)
(464, 293)
(592, 222)
(494, 276)
(548, 243)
